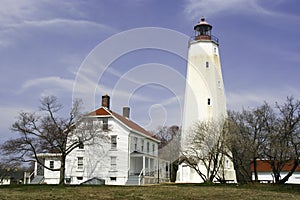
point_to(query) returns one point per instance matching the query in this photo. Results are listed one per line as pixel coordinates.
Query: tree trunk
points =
(62, 171)
(174, 169)
(277, 176)
(286, 178)
(255, 170)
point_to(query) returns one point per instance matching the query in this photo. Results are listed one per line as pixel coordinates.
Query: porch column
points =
(35, 168)
(144, 165)
(156, 167)
(149, 169)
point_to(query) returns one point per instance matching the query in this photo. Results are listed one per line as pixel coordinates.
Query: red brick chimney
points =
(105, 101)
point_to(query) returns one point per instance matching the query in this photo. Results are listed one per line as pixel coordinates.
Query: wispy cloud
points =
(21, 18)
(45, 86)
(237, 100)
(196, 8)
(67, 24)
(52, 80)
(11, 32)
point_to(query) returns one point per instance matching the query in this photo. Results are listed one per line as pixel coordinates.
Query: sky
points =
(136, 51)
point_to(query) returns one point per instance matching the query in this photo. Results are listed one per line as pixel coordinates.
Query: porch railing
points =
(149, 173)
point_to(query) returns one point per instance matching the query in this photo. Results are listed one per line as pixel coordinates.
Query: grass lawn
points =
(153, 192)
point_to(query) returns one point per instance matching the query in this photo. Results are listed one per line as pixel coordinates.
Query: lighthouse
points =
(204, 92)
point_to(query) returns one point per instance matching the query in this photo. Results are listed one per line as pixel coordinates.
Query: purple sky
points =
(45, 45)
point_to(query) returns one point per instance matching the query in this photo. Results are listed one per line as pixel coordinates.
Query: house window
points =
(113, 141)
(153, 148)
(207, 64)
(79, 178)
(80, 163)
(208, 101)
(113, 178)
(113, 163)
(227, 164)
(135, 143)
(51, 164)
(148, 147)
(81, 145)
(105, 124)
(142, 146)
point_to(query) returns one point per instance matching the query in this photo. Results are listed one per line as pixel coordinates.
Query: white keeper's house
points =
(128, 157)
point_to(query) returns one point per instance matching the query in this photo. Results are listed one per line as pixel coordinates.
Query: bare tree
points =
(47, 132)
(283, 147)
(169, 147)
(266, 133)
(206, 148)
(238, 145)
(248, 137)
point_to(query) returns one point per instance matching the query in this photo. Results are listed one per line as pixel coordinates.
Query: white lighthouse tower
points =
(204, 92)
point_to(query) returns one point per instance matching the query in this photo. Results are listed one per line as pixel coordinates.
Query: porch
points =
(143, 169)
(147, 169)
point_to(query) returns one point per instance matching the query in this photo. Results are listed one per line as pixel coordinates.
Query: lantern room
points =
(202, 30)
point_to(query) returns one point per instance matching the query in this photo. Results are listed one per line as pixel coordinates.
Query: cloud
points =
(12, 11)
(19, 19)
(11, 32)
(16, 11)
(67, 24)
(194, 9)
(237, 100)
(48, 82)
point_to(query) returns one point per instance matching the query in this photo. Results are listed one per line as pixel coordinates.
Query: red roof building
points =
(265, 173)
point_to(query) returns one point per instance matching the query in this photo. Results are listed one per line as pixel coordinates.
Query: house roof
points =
(265, 166)
(127, 122)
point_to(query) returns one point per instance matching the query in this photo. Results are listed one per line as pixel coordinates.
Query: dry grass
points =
(153, 192)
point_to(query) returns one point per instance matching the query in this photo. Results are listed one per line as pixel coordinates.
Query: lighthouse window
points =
(207, 64)
(208, 101)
